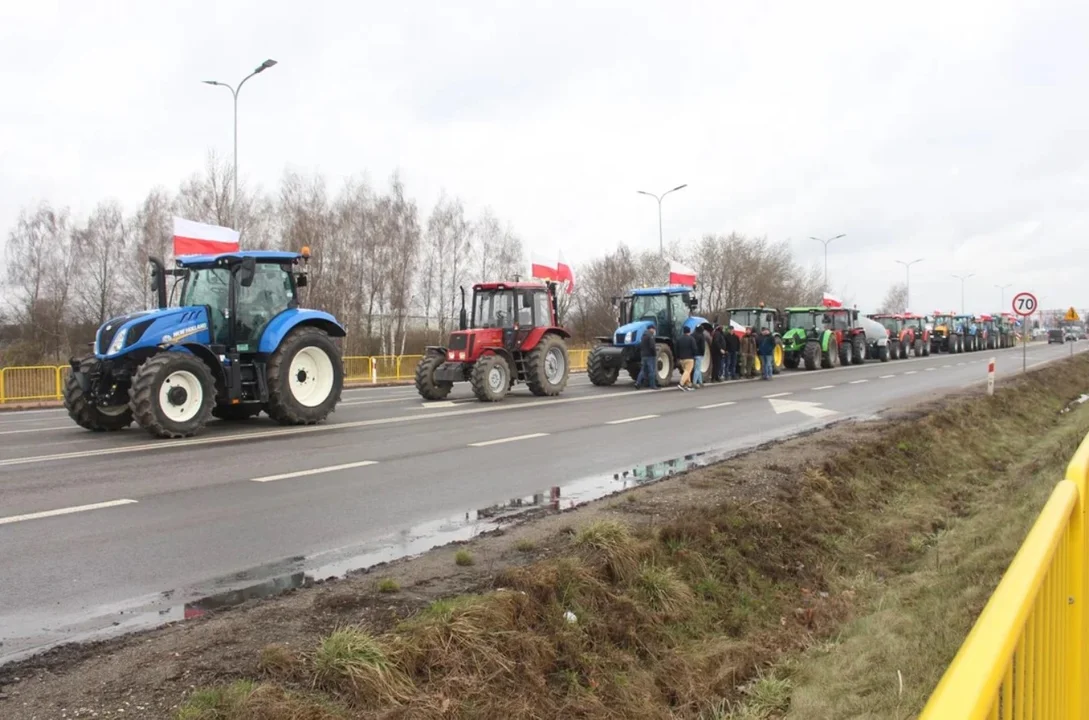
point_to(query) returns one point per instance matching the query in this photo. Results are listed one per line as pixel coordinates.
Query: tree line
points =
(389, 271)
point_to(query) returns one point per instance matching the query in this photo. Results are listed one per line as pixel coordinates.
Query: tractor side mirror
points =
(247, 271)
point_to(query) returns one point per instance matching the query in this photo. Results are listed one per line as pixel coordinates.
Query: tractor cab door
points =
(210, 288)
(674, 324)
(516, 331)
(270, 293)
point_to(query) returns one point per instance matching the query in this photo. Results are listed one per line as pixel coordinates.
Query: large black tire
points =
(547, 366)
(426, 385)
(858, 343)
(926, 348)
(664, 365)
(778, 367)
(292, 387)
(172, 395)
(633, 371)
(811, 355)
(902, 350)
(790, 360)
(91, 417)
(917, 348)
(847, 353)
(883, 353)
(236, 413)
(490, 378)
(596, 370)
(831, 357)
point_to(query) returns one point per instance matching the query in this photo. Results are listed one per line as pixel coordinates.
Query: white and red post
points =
(990, 376)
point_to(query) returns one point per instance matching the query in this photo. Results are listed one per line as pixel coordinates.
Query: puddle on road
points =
(23, 636)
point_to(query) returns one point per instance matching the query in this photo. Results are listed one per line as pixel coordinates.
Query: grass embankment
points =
(855, 563)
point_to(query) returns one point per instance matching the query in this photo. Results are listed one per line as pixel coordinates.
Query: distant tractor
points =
(237, 345)
(757, 319)
(511, 336)
(968, 329)
(988, 328)
(915, 335)
(895, 327)
(670, 310)
(944, 337)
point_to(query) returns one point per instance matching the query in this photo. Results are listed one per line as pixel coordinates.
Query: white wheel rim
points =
(180, 396)
(554, 365)
(496, 378)
(311, 376)
(660, 365)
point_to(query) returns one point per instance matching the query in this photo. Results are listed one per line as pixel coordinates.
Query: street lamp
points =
(907, 267)
(234, 92)
(1002, 295)
(962, 278)
(661, 245)
(825, 243)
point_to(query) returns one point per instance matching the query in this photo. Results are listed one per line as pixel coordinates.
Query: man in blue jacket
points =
(766, 351)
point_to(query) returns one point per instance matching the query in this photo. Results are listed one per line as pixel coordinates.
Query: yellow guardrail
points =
(40, 383)
(1025, 657)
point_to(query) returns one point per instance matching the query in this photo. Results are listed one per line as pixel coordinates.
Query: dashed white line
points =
(824, 387)
(631, 419)
(775, 395)
(930, 369)
(65, 511)
(946, 366)
(34, 430)
(886, 377)
(716, 405)
(500, 441)
(374, 402)
(960, 364)
(858, 382)
(314, 471)
(912, 372)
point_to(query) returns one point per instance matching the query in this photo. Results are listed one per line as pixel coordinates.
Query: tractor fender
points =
(825, 339)
(210, 359)
(435, 350)
(288, 320)
(503, 353)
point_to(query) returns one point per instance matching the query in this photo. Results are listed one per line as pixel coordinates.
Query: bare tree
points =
(103, 244)
(498, 251)
(895, 299)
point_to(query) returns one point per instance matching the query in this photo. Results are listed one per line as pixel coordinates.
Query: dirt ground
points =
(149, 674)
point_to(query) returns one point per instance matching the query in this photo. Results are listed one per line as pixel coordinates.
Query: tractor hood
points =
(631, 333)
(795, 337)
(150, 328)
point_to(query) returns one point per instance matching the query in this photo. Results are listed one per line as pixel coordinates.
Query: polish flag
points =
(564, 274)
(542, 269)
(681, 274)
(194, 238)
(831, 301)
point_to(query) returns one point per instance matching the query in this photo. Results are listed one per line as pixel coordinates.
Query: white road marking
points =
(930, 369)
(824, 387)
(31, 412)
(859, 382)
(912, 372)
(314, 471)
(775, 395)
(373, 402)
(508, 439)
(960, 364)
(812, 409)
(886, 377)
(65, 511)
(716, 405)
(436, 404)
(44, 429)
(631, 419)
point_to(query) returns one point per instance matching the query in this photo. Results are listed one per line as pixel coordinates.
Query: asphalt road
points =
(172, 521)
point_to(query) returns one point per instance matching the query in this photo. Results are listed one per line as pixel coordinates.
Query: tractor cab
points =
(893, 324)
(756, 318)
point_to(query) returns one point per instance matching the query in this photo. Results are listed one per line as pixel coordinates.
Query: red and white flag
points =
(564, 274)
(681, 274)
(831, 301)
(541, 269)
(194, 238)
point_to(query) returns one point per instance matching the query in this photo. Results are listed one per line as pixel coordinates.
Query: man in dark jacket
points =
(648, 353)
(718, 350)
(748, 353)
(701, 351)
(733, 350)
(766, 350)
(686, 355)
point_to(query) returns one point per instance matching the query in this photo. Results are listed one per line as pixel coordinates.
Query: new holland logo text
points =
(184, 332)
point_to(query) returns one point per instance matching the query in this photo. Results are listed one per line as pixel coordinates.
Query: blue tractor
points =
(670, 310)
(237, 344)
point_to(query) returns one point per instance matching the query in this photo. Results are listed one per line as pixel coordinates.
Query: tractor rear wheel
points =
(633, 371)
(846, 353)
(812, 355)
(903, 351)
(917, 348)
(858, 345)
(778, 357)
(926, 348)
(426, 385)
(172, 395)
(547, 367)
(305, 377)
(236, 413)
(595, 368)
(490, 378)
(663, 366)
(830, 357)
(90, 416)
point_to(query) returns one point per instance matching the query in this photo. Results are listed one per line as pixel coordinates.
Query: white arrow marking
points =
(812, 409)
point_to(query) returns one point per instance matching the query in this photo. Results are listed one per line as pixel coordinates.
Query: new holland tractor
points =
(511, 336)
(944, 337)
(670, 310)
(755, 319)
(237, 344)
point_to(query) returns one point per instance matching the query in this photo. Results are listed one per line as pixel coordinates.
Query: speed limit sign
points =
(1024, 304)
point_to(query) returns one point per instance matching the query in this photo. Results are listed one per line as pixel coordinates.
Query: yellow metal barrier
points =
(1025, 657)
(35, 383)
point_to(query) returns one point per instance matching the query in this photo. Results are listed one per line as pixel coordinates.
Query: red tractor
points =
(895, 328)
(914, 336)
(512, 335)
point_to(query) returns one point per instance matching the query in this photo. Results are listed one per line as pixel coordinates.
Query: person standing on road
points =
(733, 350)
(766, 349)
(686, 355)
(697, 361)
(718, 355)
(748, 354)
(648, 355)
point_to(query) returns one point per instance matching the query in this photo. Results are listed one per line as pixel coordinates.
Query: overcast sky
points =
(955, 131)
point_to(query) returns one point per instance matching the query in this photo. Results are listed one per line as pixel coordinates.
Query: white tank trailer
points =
(877, 338)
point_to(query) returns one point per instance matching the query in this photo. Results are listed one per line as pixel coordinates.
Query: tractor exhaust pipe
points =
(463, 318)
(158, 280)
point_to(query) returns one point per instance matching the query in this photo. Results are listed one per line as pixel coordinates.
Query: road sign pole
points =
(1024, 350)
(990, 377)
(1024, 305)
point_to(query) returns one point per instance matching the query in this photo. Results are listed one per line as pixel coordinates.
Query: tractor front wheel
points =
(811, 355)
(490, 378)
(547, 368)
(426, 385)
(883, 353)
(790, 360)
(305, 377)
(595, 368)
(778, 358)
(172, 395)
(90, 416)
(858, 344)
(830, 357)
(663, 365)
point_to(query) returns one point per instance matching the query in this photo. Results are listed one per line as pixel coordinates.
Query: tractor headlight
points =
(118, 342)
(629, 337)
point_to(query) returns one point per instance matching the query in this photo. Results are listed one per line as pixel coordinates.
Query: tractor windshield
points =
(891, 324)
(493, 309)
(754, 318)
(650, 307)
(805, 320)
(207, 286)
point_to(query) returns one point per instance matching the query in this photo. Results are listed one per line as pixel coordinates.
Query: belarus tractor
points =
(914, 335)
(670, 310)
(756, 319)
(511, 336)
(237, 344)
(944, 337)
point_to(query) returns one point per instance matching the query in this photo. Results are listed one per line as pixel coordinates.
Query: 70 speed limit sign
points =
(1024, 304)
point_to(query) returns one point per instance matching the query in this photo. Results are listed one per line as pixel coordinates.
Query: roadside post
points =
(1024, 304)
(1072, 317)
(990, 377)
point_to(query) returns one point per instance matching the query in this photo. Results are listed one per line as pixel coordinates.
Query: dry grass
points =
(864, 562)
(388, 585)
(463, 558)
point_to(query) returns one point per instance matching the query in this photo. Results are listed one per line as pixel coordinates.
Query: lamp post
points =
(907, 268)
(1002, 295)
(659, 198)
(825, 243)
(234, 93)
(962, 278)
